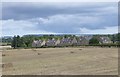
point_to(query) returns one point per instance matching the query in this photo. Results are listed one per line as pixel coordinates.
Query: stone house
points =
(82, 41)
(104, 40)
(65, 41)
(50, 42)
(57, 42)
(38, 43)
(74, 41)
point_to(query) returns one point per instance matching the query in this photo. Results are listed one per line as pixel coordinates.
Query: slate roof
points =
(50, 42)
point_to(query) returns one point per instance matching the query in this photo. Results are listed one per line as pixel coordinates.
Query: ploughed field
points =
(60, 61)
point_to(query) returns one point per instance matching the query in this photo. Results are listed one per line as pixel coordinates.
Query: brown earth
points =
(61, 61)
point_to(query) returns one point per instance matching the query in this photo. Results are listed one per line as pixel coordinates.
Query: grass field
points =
(60, 61)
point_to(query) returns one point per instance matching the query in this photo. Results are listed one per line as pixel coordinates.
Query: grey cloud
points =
(58, 17)
(24, 10)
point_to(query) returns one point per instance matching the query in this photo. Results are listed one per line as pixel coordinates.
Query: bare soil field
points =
(60, 61)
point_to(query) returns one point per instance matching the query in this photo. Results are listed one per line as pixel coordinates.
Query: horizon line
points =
(63, 34)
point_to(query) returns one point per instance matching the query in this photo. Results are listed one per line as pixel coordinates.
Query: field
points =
(60, 61)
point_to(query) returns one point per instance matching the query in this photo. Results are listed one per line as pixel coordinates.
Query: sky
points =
(21, 18)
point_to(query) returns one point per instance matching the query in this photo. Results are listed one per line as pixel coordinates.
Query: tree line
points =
(26, 41)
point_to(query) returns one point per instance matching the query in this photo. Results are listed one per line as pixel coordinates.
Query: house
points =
(57, 42)
(38, 43)
(34, 43)
(74, 41)
(82, 40)
(50, 42)
(65, 41)
(104, 40)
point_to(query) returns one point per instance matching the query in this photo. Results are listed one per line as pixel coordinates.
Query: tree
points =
(118, 39)
(14, 42)
(22, 44)
(18, 41)
(27, 40)
(93, 41)
(113, 38)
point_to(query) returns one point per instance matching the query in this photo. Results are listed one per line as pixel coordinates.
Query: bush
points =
(94, 41)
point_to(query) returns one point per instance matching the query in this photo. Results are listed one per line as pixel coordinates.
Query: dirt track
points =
(61, 61)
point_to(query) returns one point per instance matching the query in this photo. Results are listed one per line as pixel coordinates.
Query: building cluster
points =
(81, 40)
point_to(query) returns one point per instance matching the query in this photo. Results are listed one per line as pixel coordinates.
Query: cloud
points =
(37, 18)
(71, 23)
(13, 27)
(14, 10)
(58, 24)
(60, 1)
(106, 30)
